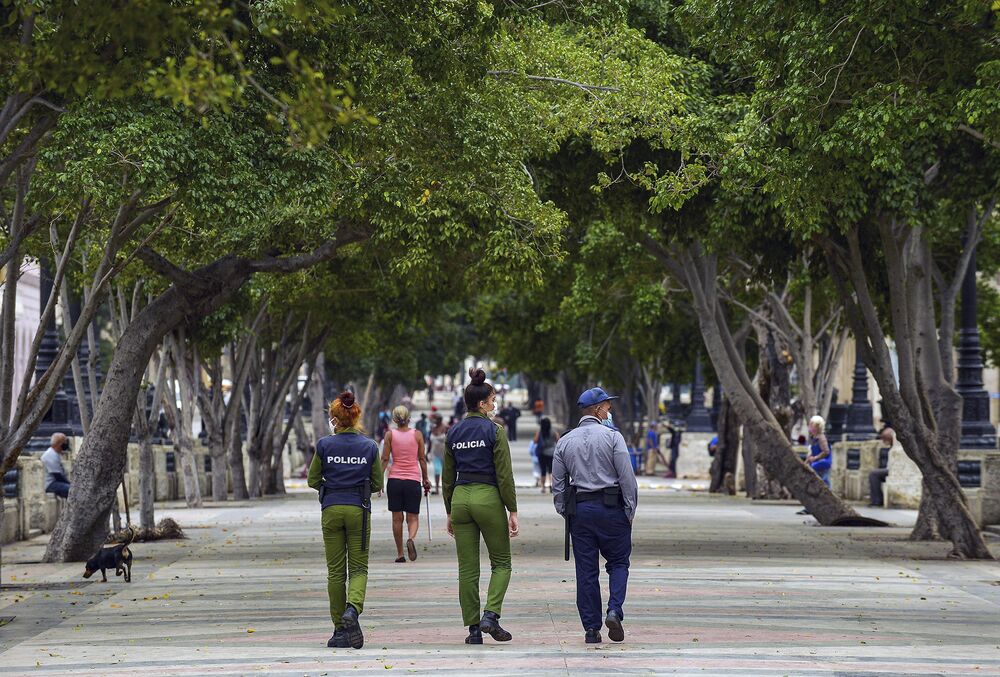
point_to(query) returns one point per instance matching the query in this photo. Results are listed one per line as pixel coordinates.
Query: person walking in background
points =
(593, 486)
(510, 417)
(545, 446)
(56, 480)
(439, 436)
(480, 499)
(536, 467)
(538, 409)
(424, 426)
(676, 430)
(345, 470)
(404, 448)
(652, 448)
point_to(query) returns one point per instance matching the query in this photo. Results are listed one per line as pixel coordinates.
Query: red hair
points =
(345, 411)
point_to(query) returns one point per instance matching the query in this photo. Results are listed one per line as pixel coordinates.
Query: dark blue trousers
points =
(599, 531)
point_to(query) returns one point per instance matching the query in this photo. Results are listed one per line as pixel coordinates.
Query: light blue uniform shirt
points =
(595, 457)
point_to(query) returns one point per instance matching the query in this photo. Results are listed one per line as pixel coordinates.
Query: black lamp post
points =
(977, 430)
(59, 417)
(859, 412)
(699, 420)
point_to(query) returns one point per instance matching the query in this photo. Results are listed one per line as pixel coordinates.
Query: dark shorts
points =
(404, 496)
(545, 464)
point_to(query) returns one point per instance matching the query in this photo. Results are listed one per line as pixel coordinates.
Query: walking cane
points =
(427, 502)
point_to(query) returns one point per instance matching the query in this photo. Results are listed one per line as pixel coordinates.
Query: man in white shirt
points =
(56, 481)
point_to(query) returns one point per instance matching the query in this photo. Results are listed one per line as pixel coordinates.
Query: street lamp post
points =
(859, 412)
(977, 430)
(699, 420)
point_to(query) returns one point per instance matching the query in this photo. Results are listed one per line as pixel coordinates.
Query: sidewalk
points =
(718, 585)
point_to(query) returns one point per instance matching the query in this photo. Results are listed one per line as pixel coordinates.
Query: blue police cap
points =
(594, 396)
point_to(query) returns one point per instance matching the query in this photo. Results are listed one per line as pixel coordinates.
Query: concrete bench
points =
(852, 462)
(978, 473)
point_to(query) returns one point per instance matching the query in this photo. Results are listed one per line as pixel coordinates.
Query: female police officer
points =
(478, 487)
(344, 469)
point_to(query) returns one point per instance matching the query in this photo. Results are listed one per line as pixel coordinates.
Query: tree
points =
(856, 128)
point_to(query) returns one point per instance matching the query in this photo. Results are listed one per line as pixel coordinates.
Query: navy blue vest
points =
(347, 460)
(471, 442)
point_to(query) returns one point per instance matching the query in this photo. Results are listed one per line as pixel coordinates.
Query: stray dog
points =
(117, 556)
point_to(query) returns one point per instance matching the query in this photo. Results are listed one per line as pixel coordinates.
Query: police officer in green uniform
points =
(345, 469)
(478, 487)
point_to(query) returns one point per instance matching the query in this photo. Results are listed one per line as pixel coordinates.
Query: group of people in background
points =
(592, 483)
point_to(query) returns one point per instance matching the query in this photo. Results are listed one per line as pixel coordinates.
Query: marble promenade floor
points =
(719, 586)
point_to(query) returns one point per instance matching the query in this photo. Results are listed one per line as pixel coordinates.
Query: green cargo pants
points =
(346, 562)
(477, 509)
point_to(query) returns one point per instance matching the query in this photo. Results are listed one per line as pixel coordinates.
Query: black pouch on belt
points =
(612, 497)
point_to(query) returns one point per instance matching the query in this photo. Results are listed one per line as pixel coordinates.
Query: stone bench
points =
(978, 473)
(693, 461)
(852, 462)
(27, 508)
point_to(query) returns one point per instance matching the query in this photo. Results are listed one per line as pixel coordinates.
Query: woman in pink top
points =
(405, 446)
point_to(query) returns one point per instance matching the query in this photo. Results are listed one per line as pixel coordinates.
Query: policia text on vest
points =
(478, 487)
(346, 469)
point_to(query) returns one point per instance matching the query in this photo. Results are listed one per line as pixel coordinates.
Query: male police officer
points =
(594, 487)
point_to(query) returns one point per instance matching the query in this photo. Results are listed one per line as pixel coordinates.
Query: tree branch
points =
(589, 89)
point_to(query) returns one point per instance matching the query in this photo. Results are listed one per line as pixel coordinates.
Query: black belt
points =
(481, 478)
(610, 496)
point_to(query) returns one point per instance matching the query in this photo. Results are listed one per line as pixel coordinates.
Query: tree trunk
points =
(217, 450)
(83, 526)
(921, 402)
(772, 446)
(723, 471)
(318, 413)
(749, 467)
(236, 469)
(147, 482)
(185, 418)
(254, 478)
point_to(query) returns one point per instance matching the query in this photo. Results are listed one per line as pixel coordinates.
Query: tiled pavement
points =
(719, 586)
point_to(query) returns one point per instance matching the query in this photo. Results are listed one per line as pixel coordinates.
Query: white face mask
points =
(333, 427)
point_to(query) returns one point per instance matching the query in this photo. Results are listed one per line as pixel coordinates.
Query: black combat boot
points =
(339, 640)
(614, 624)
(352, 628)
(475, 635)
(594, 637)
(490, 624)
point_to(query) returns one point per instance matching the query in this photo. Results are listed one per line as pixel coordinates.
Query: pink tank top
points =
(405, 465)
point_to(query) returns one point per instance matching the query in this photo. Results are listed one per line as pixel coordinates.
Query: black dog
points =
(117, 556)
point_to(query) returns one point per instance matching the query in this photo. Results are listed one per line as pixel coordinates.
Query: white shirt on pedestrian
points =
(53, 465)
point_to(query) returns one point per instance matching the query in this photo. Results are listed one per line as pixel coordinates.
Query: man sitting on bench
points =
(56, 481)
(876, 478)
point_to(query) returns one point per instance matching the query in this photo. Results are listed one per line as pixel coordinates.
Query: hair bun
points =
(347, 398)
(477, 375)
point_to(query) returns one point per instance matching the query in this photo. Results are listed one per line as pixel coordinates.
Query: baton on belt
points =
(569, 509)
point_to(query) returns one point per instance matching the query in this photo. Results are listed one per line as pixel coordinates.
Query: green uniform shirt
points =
(501, 463)
(315, 478)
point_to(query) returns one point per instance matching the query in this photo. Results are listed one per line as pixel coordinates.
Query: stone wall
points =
(33, 512)
(693, 461)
